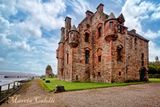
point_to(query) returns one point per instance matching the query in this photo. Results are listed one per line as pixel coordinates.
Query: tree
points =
(157, 59)
(49, 68)
(49, 71)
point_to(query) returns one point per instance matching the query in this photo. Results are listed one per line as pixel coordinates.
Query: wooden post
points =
(0, 90)
(8, 87)
(13, 85)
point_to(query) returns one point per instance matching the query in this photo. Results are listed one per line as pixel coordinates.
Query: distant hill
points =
(16, 74)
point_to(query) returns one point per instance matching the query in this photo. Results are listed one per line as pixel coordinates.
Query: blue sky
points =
(30, 29)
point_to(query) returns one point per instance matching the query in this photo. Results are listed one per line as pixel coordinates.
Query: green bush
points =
(154, 68)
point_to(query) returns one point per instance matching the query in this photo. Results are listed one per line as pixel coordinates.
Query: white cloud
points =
(152, 35)
(15, 44)
(23, 45)
(135, 11)
(44, 14)
(7, 8)
(80, 6)
(154, 51)
(4, 40)
(1, 59)
(156, 14)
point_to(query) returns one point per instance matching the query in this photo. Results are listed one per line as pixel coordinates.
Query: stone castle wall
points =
(115, 54)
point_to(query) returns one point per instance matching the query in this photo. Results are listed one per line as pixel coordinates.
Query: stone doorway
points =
(143, 74)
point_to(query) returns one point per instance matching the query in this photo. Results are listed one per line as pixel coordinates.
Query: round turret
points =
(73, 37)
(111, 27)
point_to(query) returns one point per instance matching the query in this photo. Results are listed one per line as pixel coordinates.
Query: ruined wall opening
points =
(110, 24)
(99, 58)
(86, 56)
(76, 77)
(99, 31)
(67, 58)
(99, 74)
(135, 43)
(86, 38)
(99, 54)
(142, 59)
(119, 53)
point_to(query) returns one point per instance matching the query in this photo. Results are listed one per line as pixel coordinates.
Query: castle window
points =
(99, 73)
(119, 73)
(99, 58)
(86, 37)
(119, 53)
(86, 56)
(99, 31)
(88, 25)
(67, 58)
(110, 24)
(62, 71)
(142, 59)
(76, 77)
(135, 43)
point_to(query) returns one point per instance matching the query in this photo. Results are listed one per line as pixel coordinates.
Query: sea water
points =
(5, 81)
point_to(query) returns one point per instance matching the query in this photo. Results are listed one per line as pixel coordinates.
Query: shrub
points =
(154, 75)
(47, 81)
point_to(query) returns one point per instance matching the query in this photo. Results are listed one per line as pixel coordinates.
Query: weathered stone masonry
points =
(101, 49)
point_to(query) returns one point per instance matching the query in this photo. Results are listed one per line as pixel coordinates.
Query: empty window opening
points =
(119, 53)
(142, 59)
(86, 37)
(76, 77)
(119, 73)
(110, 24)
(99, 31)
(135, 43)
(86, 56)
(67, 58)
(99, 74)
(99, 58)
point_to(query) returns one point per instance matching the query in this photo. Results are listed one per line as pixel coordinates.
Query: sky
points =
(30, 29)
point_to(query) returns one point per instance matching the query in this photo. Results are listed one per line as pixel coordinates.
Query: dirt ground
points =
(142, 95)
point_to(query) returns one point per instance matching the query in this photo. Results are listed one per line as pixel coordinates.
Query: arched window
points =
(99, 54)
(86, 37)
(86, 56)
(99, 31)
(110, 24)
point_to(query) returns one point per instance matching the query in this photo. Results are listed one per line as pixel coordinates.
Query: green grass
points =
(72, 86)
(154, 80)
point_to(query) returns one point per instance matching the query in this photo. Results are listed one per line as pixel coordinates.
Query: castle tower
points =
(60, 54)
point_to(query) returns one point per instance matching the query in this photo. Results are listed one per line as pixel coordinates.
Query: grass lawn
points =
(154, 80)
(71, 86)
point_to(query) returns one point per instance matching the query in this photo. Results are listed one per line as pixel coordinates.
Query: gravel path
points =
(142, 95)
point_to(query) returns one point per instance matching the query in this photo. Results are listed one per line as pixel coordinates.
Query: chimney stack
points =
(89, 13)
(100, 7)
(67, 26)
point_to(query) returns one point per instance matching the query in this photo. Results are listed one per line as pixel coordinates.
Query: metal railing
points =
(12, 87)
